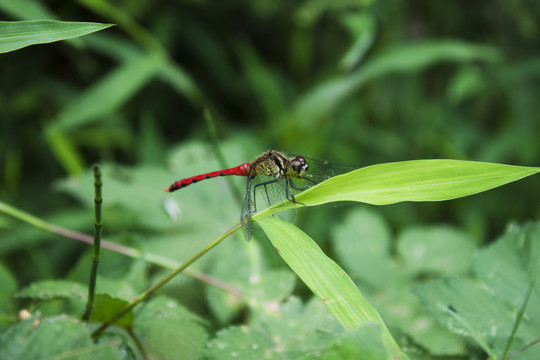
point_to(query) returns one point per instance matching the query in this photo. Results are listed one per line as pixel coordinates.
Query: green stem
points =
(162, 282)
(212, 130)
(98, 227)
(519, 317)
(471, 330)
(120, 249)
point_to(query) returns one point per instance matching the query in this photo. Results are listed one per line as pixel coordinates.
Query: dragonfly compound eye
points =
(299, 166)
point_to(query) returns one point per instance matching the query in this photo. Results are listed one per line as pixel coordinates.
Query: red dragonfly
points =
(279, 174)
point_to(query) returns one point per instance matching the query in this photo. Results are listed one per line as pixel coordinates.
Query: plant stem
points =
(519, 317)
(163, 281)
(470, 329)
(212, 130)
(120, 249)
(98, 227)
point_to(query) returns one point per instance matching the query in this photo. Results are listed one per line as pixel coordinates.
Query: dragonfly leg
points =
(291, 197)
(265, 189)
(300, 187)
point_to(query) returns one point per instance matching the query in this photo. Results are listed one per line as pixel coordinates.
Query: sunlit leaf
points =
(323, 276)
(416, 180)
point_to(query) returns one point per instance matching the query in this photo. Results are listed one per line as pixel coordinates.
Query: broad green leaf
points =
(167, 330)
(256, 283)
(364, 343)
(8, 284)
(488, 314)
(106, 308)
(239, 343)
(509, 266)
(487, 308)
(291, 330)
(19, 34)
(323, 276)
(59, 337)
(362, 244)
(75, 293)
(53, 289)
(436, 250)
(416, 180)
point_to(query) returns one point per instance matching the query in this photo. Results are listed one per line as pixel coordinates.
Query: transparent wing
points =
(248, 208)
(319, 169)
(262, 192)
(274, 193)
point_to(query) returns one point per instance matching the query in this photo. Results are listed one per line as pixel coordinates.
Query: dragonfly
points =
(276, 176)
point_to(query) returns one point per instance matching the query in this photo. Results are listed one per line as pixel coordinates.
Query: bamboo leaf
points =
(19, 34)
(324, 277)
(417, 180)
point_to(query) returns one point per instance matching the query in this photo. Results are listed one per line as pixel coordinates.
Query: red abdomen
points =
(241, 170)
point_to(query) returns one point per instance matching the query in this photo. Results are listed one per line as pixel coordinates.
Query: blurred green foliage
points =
(359, 82)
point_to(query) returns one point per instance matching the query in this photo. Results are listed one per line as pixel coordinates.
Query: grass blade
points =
(19, 34)
(416, 180)
(324, 277)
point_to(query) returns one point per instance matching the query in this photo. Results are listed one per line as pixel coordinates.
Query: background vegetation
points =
(360, 82)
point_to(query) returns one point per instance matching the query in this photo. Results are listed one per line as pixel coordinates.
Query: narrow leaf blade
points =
(19, 34)
(417, 180)
(106, 95)
(323, 276)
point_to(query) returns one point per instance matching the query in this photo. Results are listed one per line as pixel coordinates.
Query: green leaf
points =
(166, 330)
(26, 10)
(509, 266)
(438, 249)
(106, 308)
(364, 343)
(323, 99)
(290, 330)
(486, 308)
(8, 284)
(416, 180)
(75, 293)
(362, 245)
(258, 284)
(53, 289)
(361, 27)
(19, 34)
(487, 316)
(106, 95)
(323, 276)
(59, 337)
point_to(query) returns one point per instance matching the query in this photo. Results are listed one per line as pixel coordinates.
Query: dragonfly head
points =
(298, 167)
